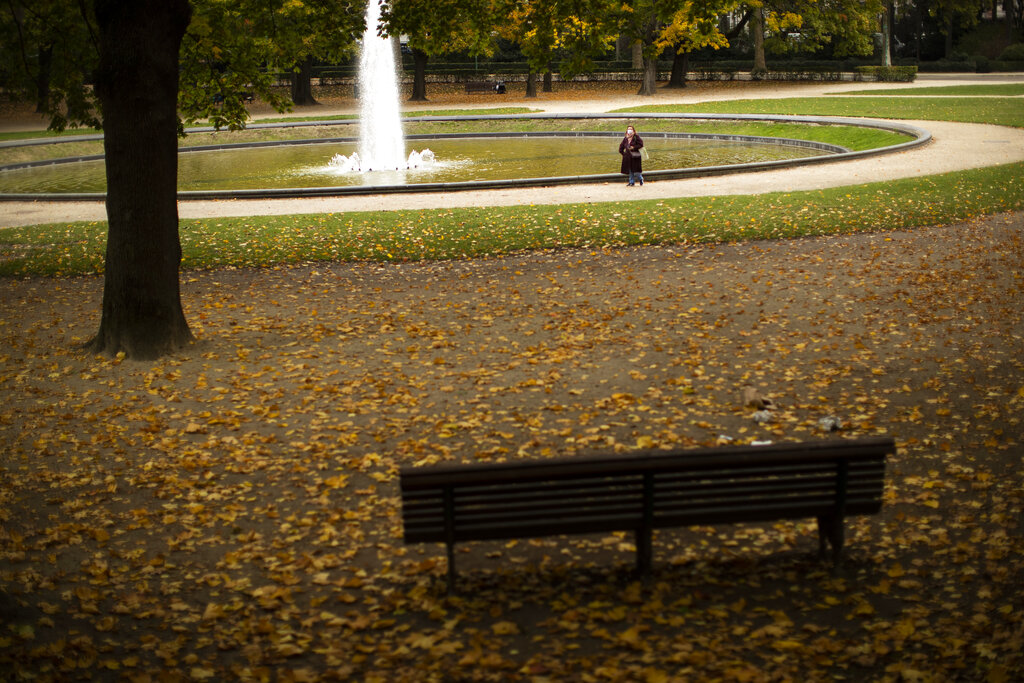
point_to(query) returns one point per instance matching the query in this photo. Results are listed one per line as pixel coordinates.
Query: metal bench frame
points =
(827, 480)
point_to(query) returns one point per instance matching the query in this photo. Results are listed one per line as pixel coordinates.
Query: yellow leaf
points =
(505, 628)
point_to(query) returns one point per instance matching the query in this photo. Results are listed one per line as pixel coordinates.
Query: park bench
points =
(828, 480)
(485, 86)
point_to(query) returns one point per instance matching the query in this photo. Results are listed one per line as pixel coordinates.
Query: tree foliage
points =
(48, 50)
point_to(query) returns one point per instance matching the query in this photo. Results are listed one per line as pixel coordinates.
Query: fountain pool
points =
(473, 159)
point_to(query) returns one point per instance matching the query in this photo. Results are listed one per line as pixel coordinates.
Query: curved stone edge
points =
(837, 154)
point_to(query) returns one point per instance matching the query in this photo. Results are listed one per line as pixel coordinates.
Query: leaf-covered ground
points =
(232, 513)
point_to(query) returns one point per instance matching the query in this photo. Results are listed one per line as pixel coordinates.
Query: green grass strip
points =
(995, 89)
(263, 241)
(1001, 111)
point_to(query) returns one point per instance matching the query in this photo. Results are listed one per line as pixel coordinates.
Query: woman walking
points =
(629, 148)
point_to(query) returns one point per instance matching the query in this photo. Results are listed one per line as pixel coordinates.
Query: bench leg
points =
(451, 567)
(831, 532)
(643, 552)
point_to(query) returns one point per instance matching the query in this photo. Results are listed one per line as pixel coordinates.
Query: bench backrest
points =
(450, 503)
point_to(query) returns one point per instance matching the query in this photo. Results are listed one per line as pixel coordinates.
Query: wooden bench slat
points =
(706, 458)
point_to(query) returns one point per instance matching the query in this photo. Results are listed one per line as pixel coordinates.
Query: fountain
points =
(381, 138)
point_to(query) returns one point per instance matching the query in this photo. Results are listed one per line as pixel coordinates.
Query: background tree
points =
(641, 21)
(313, 30)
(578, 31)
(439, 27)
(532, 26)
(691, 28)
(47, 48)
(808, 25)
(954, 16)
(156, 65)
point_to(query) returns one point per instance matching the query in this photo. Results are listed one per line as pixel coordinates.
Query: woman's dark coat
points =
(630, 162)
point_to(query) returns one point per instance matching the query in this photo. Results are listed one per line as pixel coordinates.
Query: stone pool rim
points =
(832, 154)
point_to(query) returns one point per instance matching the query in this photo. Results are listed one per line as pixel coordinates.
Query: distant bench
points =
(827, 480)
(485, 86)
(244, 96)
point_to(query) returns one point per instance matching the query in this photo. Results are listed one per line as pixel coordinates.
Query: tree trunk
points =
(649, 83)
(949, 35)
(302, 83)
(419, 75)
(43, 79)
(757, 28)
(886, 31)
(137, 85)
(680, 66)
(531, 83)
(548, 81)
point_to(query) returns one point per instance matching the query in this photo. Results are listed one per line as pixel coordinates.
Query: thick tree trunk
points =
(757, 28)
(43, 79)
(137, 84)
(531, 84)
(649, 82)
(680, 66)
(886, 35)
(549, 85)
(419, 75)
(302, 83)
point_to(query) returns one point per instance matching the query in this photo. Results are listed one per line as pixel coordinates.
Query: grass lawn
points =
(997, 89)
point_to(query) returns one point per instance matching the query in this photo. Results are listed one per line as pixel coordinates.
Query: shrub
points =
(1013, 53)
(890, 74)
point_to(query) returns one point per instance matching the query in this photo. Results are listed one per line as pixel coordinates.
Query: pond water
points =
(457, 160)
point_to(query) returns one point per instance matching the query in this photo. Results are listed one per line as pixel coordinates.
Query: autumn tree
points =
(642, 21)
(156, 65)
(309, 31)
(808, 25)
(692, 27)
(439, 27)
(577, 30)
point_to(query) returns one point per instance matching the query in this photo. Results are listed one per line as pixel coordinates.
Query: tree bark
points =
(531, 83)
(137, 85)
(757, 28)
(43, 79)
(548, 85)
(680, 67)
(886, 30)
(302, 83)
(649, 76)
(419, 75)
(649, 82)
